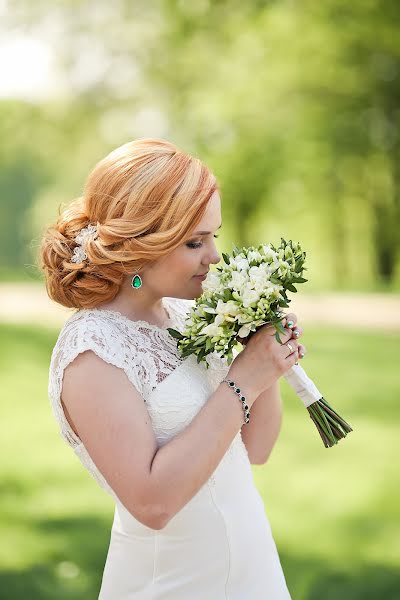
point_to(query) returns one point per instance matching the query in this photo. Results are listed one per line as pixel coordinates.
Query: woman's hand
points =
(290, 321)
(265, 359)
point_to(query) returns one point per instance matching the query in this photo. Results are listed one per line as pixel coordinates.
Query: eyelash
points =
(196, 244)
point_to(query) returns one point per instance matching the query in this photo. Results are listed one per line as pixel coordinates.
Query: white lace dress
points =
(220, 545)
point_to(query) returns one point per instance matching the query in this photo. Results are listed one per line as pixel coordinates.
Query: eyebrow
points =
(205, 232)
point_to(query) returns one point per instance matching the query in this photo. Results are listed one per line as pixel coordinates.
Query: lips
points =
(201, 274)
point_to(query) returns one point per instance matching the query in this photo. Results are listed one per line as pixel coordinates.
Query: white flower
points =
(238, 280)
(242, 264)
(244, 330)
(256, 271)
(284, 268)
(269, 253)
(226, 311)
(209, 309)
(229, 307)
(212, 282)
(212, 330)
(249, 297)
(219, 319)
(254, 255)
(272, 289)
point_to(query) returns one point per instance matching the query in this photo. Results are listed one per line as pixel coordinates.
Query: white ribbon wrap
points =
(302, 385)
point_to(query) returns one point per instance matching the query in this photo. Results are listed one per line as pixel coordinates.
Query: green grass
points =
(334, 512)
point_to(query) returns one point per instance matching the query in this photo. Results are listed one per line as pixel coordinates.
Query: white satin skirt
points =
(218, 547)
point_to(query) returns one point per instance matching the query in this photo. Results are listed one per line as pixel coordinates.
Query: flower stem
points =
(329, 424)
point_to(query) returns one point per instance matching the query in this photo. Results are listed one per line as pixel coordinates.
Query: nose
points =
(214, 259)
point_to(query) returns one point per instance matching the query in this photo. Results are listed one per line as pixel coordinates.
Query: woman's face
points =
(175, 274)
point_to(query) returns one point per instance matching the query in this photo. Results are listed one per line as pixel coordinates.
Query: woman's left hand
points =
(289, 321)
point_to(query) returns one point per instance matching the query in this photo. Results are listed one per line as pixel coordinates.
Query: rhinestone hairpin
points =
(79, 254)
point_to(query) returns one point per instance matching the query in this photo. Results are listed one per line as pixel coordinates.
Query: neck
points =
(138, 305)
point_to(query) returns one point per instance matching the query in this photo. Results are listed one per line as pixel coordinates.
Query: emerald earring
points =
(136, 281)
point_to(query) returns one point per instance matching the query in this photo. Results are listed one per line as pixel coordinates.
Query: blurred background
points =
(295, 107)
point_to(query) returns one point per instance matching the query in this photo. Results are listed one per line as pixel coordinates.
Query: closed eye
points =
(196, 244)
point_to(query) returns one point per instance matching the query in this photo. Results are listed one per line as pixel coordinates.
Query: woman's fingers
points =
(289, 347)
(292, 331)
(297, 332)
(295, 351)
(289, 320)
(302, 351)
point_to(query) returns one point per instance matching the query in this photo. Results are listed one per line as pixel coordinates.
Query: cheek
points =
(189, 261)
(184, 261)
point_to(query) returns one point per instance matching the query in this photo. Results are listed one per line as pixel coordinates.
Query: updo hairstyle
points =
(144, 197)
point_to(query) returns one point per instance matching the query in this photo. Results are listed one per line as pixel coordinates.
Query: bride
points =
(169, 439)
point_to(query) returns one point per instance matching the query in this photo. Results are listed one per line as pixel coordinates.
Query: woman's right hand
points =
(264, 359)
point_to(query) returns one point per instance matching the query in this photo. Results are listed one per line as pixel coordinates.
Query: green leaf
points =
(227, 295)
(280, 327)
(275, 279)
(175, 334)
(226, 258)
(201, 355)
(200, 341)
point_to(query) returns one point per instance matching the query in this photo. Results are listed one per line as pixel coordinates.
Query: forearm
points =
(260, 434)
(182, 466)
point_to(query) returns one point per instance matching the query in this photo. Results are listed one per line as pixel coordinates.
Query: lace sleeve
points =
(78, 335)
(182, 307)
(81, 333)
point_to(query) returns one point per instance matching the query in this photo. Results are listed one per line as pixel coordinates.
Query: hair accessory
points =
(89, 232)
(237, 391)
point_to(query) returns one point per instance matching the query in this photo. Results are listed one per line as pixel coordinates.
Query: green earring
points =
(136, 281)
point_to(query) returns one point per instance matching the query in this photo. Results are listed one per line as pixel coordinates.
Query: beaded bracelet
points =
(237, 391)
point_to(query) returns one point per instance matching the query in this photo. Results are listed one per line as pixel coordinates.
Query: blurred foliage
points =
(293, 105)
(334, 512)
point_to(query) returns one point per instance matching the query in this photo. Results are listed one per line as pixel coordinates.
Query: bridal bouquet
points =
(248, 291)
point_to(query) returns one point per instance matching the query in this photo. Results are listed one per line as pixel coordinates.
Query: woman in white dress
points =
(169, 439)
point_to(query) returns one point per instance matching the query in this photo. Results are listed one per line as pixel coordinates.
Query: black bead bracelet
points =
(237, 391)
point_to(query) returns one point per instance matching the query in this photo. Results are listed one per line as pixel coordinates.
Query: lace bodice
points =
(174, 389)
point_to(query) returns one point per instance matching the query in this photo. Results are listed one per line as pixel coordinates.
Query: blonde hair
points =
(145, 197)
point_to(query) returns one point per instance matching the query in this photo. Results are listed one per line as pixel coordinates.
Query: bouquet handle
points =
(331, 426)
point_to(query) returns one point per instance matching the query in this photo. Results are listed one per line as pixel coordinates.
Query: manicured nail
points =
(297, 333)
(301, 354)
(290, 323)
